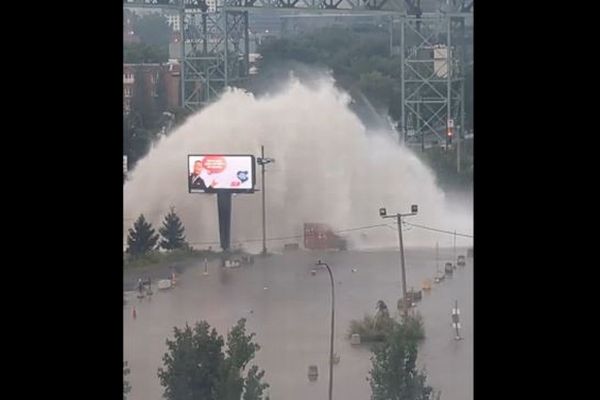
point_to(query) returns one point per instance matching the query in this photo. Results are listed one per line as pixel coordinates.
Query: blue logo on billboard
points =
(242, 176)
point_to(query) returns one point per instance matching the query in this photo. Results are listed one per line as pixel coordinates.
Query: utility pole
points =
(262, 161)
(437, 258)
(391, 36)
(418, 123)
(455, 246)
(402, 263)
(398, 216)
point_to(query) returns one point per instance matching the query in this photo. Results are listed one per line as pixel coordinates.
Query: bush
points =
(372, 329)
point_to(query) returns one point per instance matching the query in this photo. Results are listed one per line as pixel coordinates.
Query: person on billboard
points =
(196, 181)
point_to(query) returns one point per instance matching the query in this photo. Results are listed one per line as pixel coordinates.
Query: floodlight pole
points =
(262, 161)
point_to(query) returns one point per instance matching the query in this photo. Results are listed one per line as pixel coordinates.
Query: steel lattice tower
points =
(434, 56)
(215, 52)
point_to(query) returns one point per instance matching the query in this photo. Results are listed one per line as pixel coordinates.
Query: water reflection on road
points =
(289, 310)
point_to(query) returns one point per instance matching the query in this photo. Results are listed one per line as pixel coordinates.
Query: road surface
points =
(289, 309)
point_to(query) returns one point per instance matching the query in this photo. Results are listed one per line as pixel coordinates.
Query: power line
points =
(439, 230)
(359, 228)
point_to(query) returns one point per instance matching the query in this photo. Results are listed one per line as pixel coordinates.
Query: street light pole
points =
(402, 263)
(262, 161)
(454, 261)
(332, 328)
(264, 218)
(398, 216)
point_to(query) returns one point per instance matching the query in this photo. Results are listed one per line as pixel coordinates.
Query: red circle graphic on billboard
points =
(214, 164)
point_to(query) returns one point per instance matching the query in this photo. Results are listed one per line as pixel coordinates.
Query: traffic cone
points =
(134, 313)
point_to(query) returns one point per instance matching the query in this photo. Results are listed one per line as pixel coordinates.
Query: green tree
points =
(142, 238)
(142, 101)
(254, 387)
(377, 87)
(180, 113)
(142, 53)
(126, 385)
(394, 375)
(197, 367)
(153, 29)
(360, 59)
(172, 232)
(136, 139)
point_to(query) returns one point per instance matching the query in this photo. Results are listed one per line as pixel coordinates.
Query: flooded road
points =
(289, 309)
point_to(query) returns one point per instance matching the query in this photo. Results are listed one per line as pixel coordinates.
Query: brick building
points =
(158, 78)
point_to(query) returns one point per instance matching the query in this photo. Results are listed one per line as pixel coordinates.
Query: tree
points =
(359, 57)
(142, 101)
(126, 385)
(153, 29)
(254, 388)
(180, 113)
(172, 232)
(394, 375)
(140, 53)
(136, 139)
(197, 367)
(142, 237)
(377, 87)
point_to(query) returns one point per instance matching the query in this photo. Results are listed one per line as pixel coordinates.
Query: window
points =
(127, 91)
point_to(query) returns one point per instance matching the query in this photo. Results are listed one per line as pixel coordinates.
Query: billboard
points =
(208, 173)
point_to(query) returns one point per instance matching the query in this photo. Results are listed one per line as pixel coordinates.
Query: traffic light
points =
(449, 134)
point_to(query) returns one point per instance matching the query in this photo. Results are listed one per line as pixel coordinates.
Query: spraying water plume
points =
(329, 168)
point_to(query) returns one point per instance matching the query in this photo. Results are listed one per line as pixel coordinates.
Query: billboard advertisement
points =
(208, 173)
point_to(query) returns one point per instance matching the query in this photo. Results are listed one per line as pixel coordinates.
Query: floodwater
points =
(289, 309)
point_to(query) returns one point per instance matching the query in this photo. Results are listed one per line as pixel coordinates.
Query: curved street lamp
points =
(332, 328)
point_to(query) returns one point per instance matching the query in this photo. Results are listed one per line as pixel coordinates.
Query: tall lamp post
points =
(332, 328)
(262, 161)
(383, 214)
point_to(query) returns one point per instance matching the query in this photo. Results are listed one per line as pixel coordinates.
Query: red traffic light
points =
(449, 133)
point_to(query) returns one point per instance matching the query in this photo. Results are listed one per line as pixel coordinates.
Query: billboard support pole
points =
(224, 206)
(240, 177)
